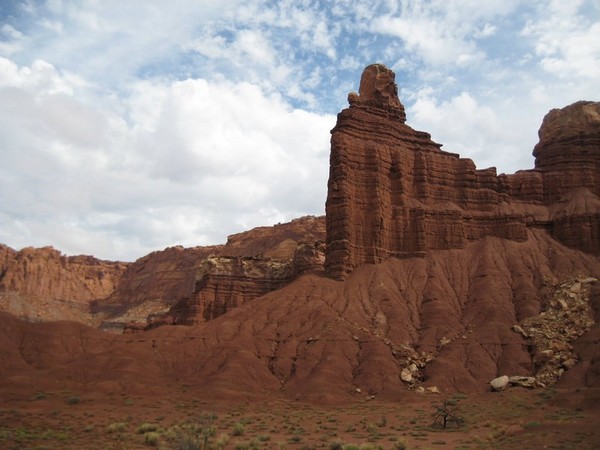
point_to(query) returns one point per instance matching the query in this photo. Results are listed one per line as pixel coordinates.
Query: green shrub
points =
(187, 441)
(336, 445)
(73, 400)
(40, 395)
(221, 441)
(116, 427)
(382, 422)
(151, 438)
(251, 445)
(400, 445)
(238, 429)
(146, 427)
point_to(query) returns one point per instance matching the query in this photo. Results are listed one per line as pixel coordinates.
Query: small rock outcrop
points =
(150, 287)
(225, 282)
(393, 192)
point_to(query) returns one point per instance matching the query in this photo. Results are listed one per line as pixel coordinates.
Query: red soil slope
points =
(449, 313)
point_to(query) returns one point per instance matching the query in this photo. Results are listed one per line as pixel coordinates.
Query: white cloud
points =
(254, 44)
(473, 130)
(486, 31)
(191, 162)
(10, 31)
(566, 41)
(443, 32)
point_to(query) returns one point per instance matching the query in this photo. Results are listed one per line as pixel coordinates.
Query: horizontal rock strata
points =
(393, 192)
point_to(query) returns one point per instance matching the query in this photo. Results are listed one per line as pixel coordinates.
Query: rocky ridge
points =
(220, 278)
(42, 284)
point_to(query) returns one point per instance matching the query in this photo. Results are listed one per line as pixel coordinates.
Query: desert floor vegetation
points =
(516, 419)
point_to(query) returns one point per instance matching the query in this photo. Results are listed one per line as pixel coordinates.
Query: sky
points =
(131, 126)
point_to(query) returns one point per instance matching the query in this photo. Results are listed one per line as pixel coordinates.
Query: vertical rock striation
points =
(393, 192)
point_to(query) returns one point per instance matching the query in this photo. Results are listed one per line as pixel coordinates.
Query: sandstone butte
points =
(425, 273)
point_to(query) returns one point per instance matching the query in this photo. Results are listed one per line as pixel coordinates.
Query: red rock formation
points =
(157, 281)
(272, 257)
(279, 241)
(568, 153)
(43, 284)
(225, 282)
(45, 272)
(393, 192)
(190, 285)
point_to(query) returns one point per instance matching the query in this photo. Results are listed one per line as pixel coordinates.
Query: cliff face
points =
(43, 284)
(448, 319)
(279, 241)
(393, 192)
(191, 285)
(173, 285)
(227, 282)
(45, 272)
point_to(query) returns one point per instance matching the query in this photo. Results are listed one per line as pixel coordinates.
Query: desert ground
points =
(513, 419)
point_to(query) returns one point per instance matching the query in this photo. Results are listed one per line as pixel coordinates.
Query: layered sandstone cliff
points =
(43, 284)
(393, 192)
(250, 265)
(191, 285)
(225, 282)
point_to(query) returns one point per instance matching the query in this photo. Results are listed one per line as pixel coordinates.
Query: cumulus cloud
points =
(566, 40)
(473, 130)
(443, 32)
(192, 162)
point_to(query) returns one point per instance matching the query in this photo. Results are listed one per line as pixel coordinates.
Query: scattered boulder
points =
(551, 332)
(406, 376)
(520, 330)
(569, 363)
(500, 383)
(526, 382)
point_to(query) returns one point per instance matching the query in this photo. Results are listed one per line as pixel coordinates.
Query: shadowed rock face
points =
(393, 192)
